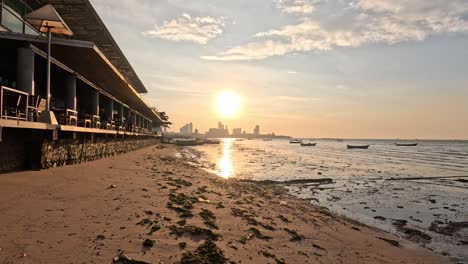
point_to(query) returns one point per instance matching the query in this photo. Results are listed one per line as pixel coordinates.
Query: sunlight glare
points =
(228, 104)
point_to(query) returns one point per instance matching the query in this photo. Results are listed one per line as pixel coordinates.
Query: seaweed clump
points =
(208, 218)
(206, 253)
(295, 236)
(193, 231)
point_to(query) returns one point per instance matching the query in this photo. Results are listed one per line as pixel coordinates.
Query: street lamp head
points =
(46, 19)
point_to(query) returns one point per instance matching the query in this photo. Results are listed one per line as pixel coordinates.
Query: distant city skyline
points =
(311, 68)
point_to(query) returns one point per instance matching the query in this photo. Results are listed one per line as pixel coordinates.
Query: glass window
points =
(11, 22)
(30, 30)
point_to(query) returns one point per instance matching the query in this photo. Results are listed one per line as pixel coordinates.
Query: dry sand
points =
(90, 213)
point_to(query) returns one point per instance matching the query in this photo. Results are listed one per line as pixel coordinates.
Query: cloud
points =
(295, 6)
(363, 23)
(187, 28)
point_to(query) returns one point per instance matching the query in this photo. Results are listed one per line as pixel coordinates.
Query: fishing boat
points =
(358, 146)
(188, 142)
(406, 144)
(308, 144)
(295, 141)
(212, 141)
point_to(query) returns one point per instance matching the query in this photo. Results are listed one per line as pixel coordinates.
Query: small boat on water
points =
(295, 141)
(212, 141)
(191, 142)
(358, 146)
(308, 144)
(406, 144)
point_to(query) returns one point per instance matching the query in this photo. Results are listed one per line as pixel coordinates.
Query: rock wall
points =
(31, 149)
(70, 151)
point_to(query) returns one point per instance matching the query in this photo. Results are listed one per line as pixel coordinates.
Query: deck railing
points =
(14, 104)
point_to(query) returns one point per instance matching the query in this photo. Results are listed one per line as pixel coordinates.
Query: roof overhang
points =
(83, 58)
(86, 24)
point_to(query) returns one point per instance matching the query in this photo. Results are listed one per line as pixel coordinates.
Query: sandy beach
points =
(153, 206)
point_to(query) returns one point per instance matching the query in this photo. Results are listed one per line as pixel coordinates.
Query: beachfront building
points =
(89, 91)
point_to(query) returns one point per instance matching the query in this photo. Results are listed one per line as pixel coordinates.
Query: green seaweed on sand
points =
(181, 182)
(182, 245)
(270, 255)
(193, 231)
(206, 253)
(253, 232)
(295, 236)
(154, 228)
(148, 243)
(208, 218)
(283, 218)
(183, 200)
(144, 222)
(259, 234)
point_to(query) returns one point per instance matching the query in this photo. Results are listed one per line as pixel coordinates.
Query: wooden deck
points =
(9, 123)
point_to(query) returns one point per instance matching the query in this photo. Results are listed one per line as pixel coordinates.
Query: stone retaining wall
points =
(69, 151)
(30, 149)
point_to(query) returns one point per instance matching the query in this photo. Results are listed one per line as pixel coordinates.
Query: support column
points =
(110, 109)
(25, 70)
(95, 102)
(121, 112)
(70, 91)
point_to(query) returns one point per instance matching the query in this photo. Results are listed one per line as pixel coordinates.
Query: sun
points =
(228, 103)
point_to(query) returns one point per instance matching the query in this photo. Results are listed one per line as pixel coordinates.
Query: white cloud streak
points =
(187, 28)
(366, 22)
(295, 6)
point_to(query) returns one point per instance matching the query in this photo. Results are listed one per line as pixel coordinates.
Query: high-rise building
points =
(237, 131)
(257, 130)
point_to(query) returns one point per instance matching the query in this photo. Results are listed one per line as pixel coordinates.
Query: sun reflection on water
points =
(225, 165)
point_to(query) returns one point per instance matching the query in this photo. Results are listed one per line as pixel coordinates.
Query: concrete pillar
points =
(94, 102)
(25, 70)
(121, 112)
(70, 91)
(134, 119)
(110, 109)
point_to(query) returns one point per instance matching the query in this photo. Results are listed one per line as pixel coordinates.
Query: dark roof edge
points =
(139, 86)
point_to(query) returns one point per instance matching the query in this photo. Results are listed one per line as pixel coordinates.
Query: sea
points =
(418, 193)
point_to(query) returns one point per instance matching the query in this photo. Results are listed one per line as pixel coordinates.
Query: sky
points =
(304, 68)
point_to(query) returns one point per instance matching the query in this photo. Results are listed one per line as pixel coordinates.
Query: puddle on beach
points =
(419, 193)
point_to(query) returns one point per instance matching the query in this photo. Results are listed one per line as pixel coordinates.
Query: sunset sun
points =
(228, 103)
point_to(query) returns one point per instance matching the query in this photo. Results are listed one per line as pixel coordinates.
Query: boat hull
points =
(358, 147)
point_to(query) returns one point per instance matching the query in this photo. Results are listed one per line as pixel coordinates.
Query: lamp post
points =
(47, 20)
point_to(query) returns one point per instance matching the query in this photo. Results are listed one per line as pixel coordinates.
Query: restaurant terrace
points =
(93, 87)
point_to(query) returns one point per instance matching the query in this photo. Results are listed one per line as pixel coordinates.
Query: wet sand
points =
(155, 207)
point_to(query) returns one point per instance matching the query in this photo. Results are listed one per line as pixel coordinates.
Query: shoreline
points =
(155, 207)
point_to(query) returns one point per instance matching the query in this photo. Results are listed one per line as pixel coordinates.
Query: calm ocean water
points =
(426, 186)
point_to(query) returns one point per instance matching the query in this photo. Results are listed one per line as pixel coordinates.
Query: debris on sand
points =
(390, 241)
(122, 259)
(193, 231)
(380, 218)
(253, 232)
(447, 229)
(207, 253)
(113, 186)
(415, 235)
